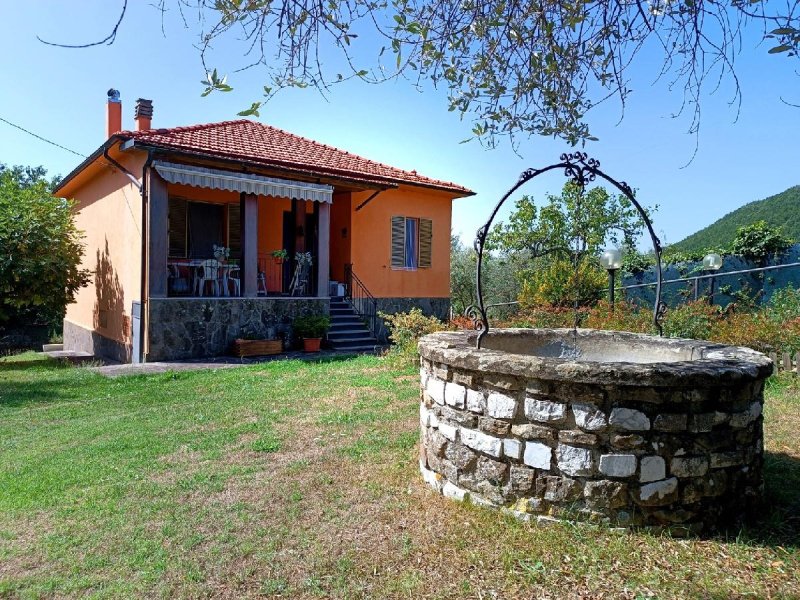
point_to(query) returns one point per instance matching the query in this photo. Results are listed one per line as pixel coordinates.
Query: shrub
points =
(40, 250)
(542, 316)
(754, 330)
(759, 240)
(691, 320)
(557, 282)
(405, 329)
(624, 317)
(784, 305)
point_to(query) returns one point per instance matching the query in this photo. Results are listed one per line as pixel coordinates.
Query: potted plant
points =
(280, 256)
(253, 344)
(311, 328)
(221, 253)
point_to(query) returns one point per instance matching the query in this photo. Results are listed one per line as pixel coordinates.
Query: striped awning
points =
(248, 183)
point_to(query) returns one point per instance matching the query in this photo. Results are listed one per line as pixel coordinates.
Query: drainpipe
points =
(129, 175)
(143, 262)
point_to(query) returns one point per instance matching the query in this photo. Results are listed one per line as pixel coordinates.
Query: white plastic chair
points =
(207, 271)
(233, 274)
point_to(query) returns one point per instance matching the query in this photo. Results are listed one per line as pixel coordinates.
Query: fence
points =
(786, 362)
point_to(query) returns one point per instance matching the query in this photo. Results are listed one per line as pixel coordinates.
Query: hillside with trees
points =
(781, 210)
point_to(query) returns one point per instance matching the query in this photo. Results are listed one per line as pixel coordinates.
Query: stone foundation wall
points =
(81, 339)
(432, 307)
(194, 328)
(544, 445)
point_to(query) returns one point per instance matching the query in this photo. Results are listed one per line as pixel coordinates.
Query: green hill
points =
(781, 210)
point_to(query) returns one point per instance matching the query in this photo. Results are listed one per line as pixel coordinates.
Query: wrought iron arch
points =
(582, 170)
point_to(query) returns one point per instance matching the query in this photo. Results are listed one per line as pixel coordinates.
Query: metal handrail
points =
(362, 301)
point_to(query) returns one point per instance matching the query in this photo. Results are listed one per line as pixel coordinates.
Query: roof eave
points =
(374, 182)
(86, 162)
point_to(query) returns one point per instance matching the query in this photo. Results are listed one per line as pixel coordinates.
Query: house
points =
(155, 204)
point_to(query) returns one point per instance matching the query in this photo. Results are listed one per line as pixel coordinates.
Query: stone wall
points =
(432, 307)
(192, 328)
(539, 438)
(81, 339)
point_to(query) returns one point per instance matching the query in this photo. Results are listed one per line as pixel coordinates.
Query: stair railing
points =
(363, 302)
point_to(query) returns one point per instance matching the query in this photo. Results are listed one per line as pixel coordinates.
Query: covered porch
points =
(224, 234)
(230, 255)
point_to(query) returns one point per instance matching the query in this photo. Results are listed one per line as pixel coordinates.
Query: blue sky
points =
(61, 93)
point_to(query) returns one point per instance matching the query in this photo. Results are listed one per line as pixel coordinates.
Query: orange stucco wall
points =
(372, 237)
(341, 234)
(108, 210)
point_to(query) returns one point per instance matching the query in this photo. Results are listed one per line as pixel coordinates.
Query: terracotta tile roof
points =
(258, 143)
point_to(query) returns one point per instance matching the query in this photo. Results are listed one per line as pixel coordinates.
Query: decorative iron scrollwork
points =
(581, 169)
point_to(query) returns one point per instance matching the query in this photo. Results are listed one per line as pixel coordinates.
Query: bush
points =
(40, 250)
(694, 320)
(624, 317)
(557, 282)
(759, 240)
(405, 329)
(542, 317)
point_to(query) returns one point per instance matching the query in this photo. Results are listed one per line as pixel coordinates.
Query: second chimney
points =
(143, 114)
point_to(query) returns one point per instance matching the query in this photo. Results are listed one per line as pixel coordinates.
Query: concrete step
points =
(366, 348)
(340, 334)
(353, 342)
(346, 320)
(74, 357)
(52, 347)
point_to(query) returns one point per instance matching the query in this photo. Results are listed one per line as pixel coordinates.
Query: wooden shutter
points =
(398, 242)
(235, 230)
(425, 243)
(177, 217)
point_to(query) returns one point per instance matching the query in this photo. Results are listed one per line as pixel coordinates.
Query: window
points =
(195, 227)
(411, 243)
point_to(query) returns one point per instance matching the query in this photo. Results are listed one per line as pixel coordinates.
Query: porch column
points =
(323, 248)
(249, 212)
(157, 215)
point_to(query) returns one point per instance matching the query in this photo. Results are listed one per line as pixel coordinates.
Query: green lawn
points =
(300, 479)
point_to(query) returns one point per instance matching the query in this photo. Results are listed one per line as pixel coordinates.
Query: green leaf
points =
(779, 49)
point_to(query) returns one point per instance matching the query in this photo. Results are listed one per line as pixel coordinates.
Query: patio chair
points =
(207, 272)
(176, 283)
(232, 274)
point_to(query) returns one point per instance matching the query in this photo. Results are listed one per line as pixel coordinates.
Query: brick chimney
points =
(113, 113)
(143, 114)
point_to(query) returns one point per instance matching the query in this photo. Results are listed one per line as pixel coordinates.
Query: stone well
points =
(627, 429)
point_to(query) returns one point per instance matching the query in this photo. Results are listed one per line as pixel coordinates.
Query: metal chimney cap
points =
(113, 95)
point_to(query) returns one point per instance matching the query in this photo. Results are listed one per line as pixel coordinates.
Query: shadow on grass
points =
(19, 387)
(777, 524)
(9, 364)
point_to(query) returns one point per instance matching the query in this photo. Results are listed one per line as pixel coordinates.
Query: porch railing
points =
(363, 302)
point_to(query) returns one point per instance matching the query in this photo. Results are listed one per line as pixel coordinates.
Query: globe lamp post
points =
(611, 260)
(712, 262)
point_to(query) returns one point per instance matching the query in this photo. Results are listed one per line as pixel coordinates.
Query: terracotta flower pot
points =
(311, 344)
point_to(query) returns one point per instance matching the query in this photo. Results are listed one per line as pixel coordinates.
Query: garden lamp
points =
(611, 260)
(712, 262)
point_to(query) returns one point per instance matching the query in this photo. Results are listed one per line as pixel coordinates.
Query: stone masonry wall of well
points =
(684, 459)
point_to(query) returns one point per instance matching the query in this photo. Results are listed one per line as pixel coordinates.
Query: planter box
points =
(242, 348)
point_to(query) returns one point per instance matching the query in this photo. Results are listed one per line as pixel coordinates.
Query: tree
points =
(40, 249)
(532, 67)
(499, 283)
(555, 248)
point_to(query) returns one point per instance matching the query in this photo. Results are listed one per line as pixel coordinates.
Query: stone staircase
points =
(348, 332)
